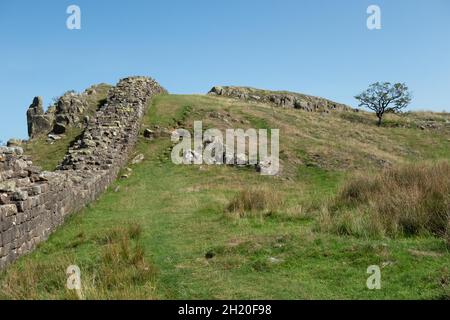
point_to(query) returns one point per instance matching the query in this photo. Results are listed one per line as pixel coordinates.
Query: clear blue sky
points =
(319, 47)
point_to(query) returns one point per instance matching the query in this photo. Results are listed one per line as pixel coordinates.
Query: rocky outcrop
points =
(33, 203)
(38, 122)
(280, 99)
(70, 110)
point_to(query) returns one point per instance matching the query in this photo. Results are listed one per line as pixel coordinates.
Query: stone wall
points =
(33, 203)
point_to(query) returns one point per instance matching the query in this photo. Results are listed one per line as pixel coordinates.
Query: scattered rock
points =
(138, 159)
(149, 134)
(273, 260)
(54, 137)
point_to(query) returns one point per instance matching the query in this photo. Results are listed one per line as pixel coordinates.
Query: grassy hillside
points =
(168, 232)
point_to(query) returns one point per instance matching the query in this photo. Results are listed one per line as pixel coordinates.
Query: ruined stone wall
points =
(34, 203)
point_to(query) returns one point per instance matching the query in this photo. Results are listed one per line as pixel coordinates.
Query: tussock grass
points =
(408, 200)
(255, 201)
(120, 271)
(180, 210)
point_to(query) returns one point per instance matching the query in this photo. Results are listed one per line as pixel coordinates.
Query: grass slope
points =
(148, 235)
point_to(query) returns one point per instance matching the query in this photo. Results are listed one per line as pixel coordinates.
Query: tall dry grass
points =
(408, 200)
(254, 201)
(120, 271)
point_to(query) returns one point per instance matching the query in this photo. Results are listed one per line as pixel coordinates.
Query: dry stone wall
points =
(33, 203)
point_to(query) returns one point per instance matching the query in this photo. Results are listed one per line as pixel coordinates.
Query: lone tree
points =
(385, 97)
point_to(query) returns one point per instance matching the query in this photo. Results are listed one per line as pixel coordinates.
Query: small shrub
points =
(409, 200)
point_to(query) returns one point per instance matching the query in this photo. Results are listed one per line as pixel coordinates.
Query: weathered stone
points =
(19, 195)
(14, 143)
(54, 137)
(8, 186)
(59, 128)
(7, 210)
(4, 199)
(280, 99)
(138, 159)
(38, 122)
(149, 134)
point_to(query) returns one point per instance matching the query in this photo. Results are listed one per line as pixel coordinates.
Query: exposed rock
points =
(138, 159)
(274, 260)
(59, 128)
(14, 143)
(38, 122)
(54, 137)
(70, 110)
(149, 134)
(280, 99)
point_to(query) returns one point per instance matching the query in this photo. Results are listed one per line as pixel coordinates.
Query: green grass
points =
(48, 155)
(181, 214)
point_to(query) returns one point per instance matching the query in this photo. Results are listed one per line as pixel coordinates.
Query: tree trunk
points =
(380, 118)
